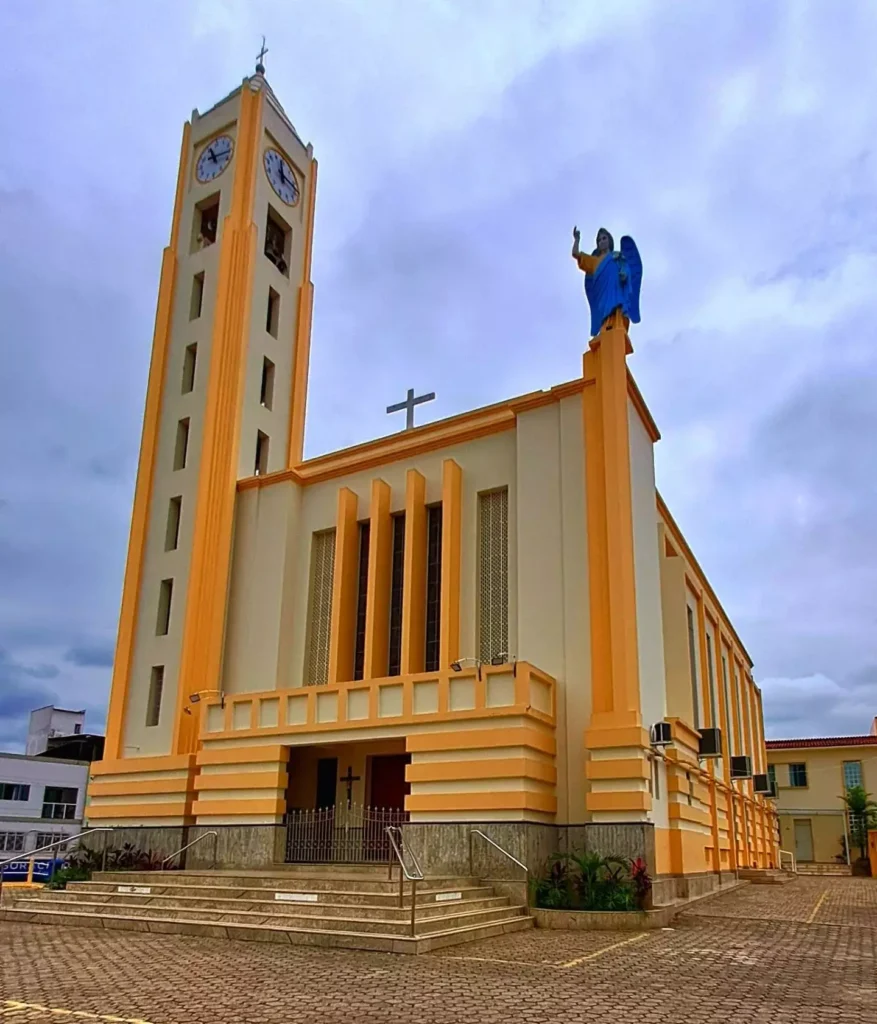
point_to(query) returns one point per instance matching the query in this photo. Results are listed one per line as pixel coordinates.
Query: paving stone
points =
(803, 953)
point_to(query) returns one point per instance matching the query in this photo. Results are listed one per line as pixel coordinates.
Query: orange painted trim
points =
(210, 564)
(683, 733)
(268, 754)
(344, 588)
(682, 544)
(636, 800)
(140, 514)
(623, 768)
(502, 801)
(137, 812)
(626, 736)
(276, 779)
(476, 739)
(377, 605)
(406, 444)
(123, 766)
(267, 805)
(488, 768)
(685, 812)
(414, 575)
(452, 517)
(141, 788)
(301, 353)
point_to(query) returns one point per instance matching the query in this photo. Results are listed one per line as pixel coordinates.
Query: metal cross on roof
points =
(260, 57)
(409, 404)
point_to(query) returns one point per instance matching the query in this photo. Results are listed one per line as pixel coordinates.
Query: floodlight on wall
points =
(457, 666)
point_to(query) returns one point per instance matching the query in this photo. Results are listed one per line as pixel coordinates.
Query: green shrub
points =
(587, 881)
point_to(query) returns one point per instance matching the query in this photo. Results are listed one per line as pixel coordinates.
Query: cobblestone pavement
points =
(804, 953)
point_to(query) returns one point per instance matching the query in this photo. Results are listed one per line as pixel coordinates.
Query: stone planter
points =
(604, 920)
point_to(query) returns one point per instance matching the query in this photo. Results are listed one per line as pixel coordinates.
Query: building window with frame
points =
(798, 776)
(320, 607)
(394, 665)
(493, 594)
(692, 663)
(17, 791)
(11, 842)
(47, 838)
(711, 677)
(59, 802)
(852, 771)
(772, 775)
(433, 587)
(361, 601)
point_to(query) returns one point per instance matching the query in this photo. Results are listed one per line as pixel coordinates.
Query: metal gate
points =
(341, 835)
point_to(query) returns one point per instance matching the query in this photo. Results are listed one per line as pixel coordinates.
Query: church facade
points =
(492, 618)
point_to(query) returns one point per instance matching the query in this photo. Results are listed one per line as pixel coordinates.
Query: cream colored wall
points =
(649, 623)
(487, 463)
(675, 633)
(158, 564)
(259, 613)
(273, 422)
(552, 578)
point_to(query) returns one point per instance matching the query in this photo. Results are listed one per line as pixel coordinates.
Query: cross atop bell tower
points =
(225, 400)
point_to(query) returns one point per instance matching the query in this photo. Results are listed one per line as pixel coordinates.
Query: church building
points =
(489, 619)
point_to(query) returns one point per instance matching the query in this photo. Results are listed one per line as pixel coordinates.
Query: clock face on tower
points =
(214, 158)
(281, 176)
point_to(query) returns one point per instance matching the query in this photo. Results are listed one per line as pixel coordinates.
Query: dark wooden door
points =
(388, 785)
(327, 782)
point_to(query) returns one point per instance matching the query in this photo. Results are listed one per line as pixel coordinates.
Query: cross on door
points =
(349, 778)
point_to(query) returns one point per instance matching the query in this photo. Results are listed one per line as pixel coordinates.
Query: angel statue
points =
(612, 279)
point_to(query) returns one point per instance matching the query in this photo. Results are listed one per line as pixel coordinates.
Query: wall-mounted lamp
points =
(457, 666)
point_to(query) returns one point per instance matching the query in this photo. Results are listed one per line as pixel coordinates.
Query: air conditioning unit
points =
(741, 767)
(661, 734)
(710, 743)
(763, 785)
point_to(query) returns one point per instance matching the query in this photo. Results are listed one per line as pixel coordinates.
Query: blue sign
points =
(43, 869)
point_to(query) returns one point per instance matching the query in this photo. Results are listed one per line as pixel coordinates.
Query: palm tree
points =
(862, 811)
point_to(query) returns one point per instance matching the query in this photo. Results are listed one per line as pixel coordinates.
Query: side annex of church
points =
(492, 618)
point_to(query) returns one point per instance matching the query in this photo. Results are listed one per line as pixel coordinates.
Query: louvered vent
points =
(493, 512)
(320, 611)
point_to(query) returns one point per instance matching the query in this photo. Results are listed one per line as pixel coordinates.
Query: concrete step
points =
(34, 912)
(290, 881)
(325, 906)
(372, 922)
(159, 885)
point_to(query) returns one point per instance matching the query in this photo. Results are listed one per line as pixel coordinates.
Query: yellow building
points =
(477, 620)
(811, 777)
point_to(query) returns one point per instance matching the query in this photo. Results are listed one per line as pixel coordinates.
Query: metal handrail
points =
(183, 849)
(404, 873)
(504, 852)
(51, 846)
(791, 856)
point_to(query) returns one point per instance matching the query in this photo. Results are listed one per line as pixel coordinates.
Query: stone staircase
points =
(307, 906)
(766, 876)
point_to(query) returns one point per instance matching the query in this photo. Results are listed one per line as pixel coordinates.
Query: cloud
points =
(458, 144)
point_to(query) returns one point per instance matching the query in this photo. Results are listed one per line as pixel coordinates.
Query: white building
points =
(51, 721)
(41, 800)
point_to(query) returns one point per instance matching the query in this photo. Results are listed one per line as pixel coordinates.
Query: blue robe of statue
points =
(615, 284)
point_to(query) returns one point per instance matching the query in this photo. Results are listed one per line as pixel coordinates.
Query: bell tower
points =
(225, 400)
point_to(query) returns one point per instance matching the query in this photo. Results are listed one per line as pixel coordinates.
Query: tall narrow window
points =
(738, 693)
(189, 360)
(852, 771)
(361, 601)
(272, 318)
(433, 587)
(206, 223)
(164, 607)
(266, 394)
(728, 705)
(320, 607)
(493, 604)
(692, 662)
(711, 676)
(172, 534)
(181, 448)
(398, 571)
(156, 685)
(197, 296)
(277, 235)
(261, 466)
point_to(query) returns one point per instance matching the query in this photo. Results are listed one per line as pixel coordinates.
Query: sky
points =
(458, 142)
